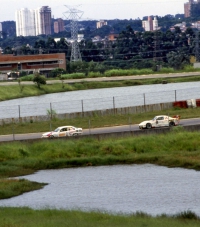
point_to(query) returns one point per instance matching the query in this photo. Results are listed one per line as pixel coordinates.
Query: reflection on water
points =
(123, 188)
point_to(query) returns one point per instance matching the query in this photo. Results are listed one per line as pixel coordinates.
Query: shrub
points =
(73, 76)
(27, 78)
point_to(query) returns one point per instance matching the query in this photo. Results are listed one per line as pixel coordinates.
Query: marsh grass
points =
(50, 218)
(180, 149)
(14, 187)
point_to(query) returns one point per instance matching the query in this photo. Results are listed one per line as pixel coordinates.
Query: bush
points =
(27, 78)
(72, 76)
(38, 79)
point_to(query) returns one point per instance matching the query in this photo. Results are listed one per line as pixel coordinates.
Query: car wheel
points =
(51, 136)
(171, 123)
(148, 126)
(75, 134)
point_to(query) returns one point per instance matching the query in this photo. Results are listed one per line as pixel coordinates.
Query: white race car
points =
(160, 121)
(63, 131)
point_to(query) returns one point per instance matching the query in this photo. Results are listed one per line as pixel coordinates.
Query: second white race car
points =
(160, 121)
(63, 131)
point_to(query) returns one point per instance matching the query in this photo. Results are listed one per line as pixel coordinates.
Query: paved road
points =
(117, 78)
(123, 128)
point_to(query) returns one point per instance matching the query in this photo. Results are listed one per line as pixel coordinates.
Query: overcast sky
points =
(96, 9)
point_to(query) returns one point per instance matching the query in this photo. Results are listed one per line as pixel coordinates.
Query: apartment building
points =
(101, 23)
(59, 25)
(33, 22)
(25, 23)
(187, 7)
(150, 24)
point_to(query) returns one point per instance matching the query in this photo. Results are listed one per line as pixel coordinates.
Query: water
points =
(99, 99)
(117, 189)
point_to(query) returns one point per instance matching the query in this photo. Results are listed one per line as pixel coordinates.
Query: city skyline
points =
(96, 9)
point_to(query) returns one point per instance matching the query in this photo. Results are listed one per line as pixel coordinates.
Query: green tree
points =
(38, 80)
(177, 60)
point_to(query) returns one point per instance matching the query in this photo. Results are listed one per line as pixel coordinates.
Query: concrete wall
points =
(106, 112)
(196, 65)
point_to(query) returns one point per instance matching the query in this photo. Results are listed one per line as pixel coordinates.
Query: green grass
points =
(175, 149)
(26, 217)
(14, 187)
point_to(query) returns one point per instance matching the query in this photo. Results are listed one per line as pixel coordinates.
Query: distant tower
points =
(59, 25)
(74, 15)
(155, 24)
(25, 23)
(43, 20)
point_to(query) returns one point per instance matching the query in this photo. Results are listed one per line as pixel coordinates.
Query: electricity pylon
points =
(74, 15)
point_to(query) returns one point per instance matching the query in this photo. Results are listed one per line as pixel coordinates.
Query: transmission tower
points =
(74, 15)
(156, 46)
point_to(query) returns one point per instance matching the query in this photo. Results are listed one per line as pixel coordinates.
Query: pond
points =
(117, 189)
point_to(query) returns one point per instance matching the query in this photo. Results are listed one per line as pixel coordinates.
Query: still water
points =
(117, 189)
(99, 99)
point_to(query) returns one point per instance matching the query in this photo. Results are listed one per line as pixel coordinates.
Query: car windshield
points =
(154, 118)
(56, 130)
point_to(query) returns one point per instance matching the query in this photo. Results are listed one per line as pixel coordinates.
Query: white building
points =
(101, 23)
(25, 24)
(1, 31)
(150, 25)
(33, 22)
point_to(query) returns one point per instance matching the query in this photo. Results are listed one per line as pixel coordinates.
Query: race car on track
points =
(63, 131)
(160, 121)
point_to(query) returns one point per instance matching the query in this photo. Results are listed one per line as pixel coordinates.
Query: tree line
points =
(131, 49)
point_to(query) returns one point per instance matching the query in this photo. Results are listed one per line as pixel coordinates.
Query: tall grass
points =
(173, 149)
(14, 187)
(27, 78)
(50, 218)
(72, 76)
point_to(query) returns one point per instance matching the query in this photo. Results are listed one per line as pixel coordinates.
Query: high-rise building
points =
(25, 23)
(150, 25)
(33, 22)
(187, 7)
(1, 32)
(59, 25)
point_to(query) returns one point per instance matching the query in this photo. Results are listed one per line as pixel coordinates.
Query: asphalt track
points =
(93, 131)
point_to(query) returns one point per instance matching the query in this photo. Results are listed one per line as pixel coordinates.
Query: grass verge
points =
(95, 121)
(25, 217)
(22, 90)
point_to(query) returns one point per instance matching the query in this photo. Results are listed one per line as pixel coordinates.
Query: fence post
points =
(89, 127)
(19, 112)
(50, 111)
(82, 108)
(175, 95)
(129, 121)
(144, 102)
(113, 104)
(13, 133)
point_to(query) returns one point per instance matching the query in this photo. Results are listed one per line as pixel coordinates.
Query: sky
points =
(96, 9)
